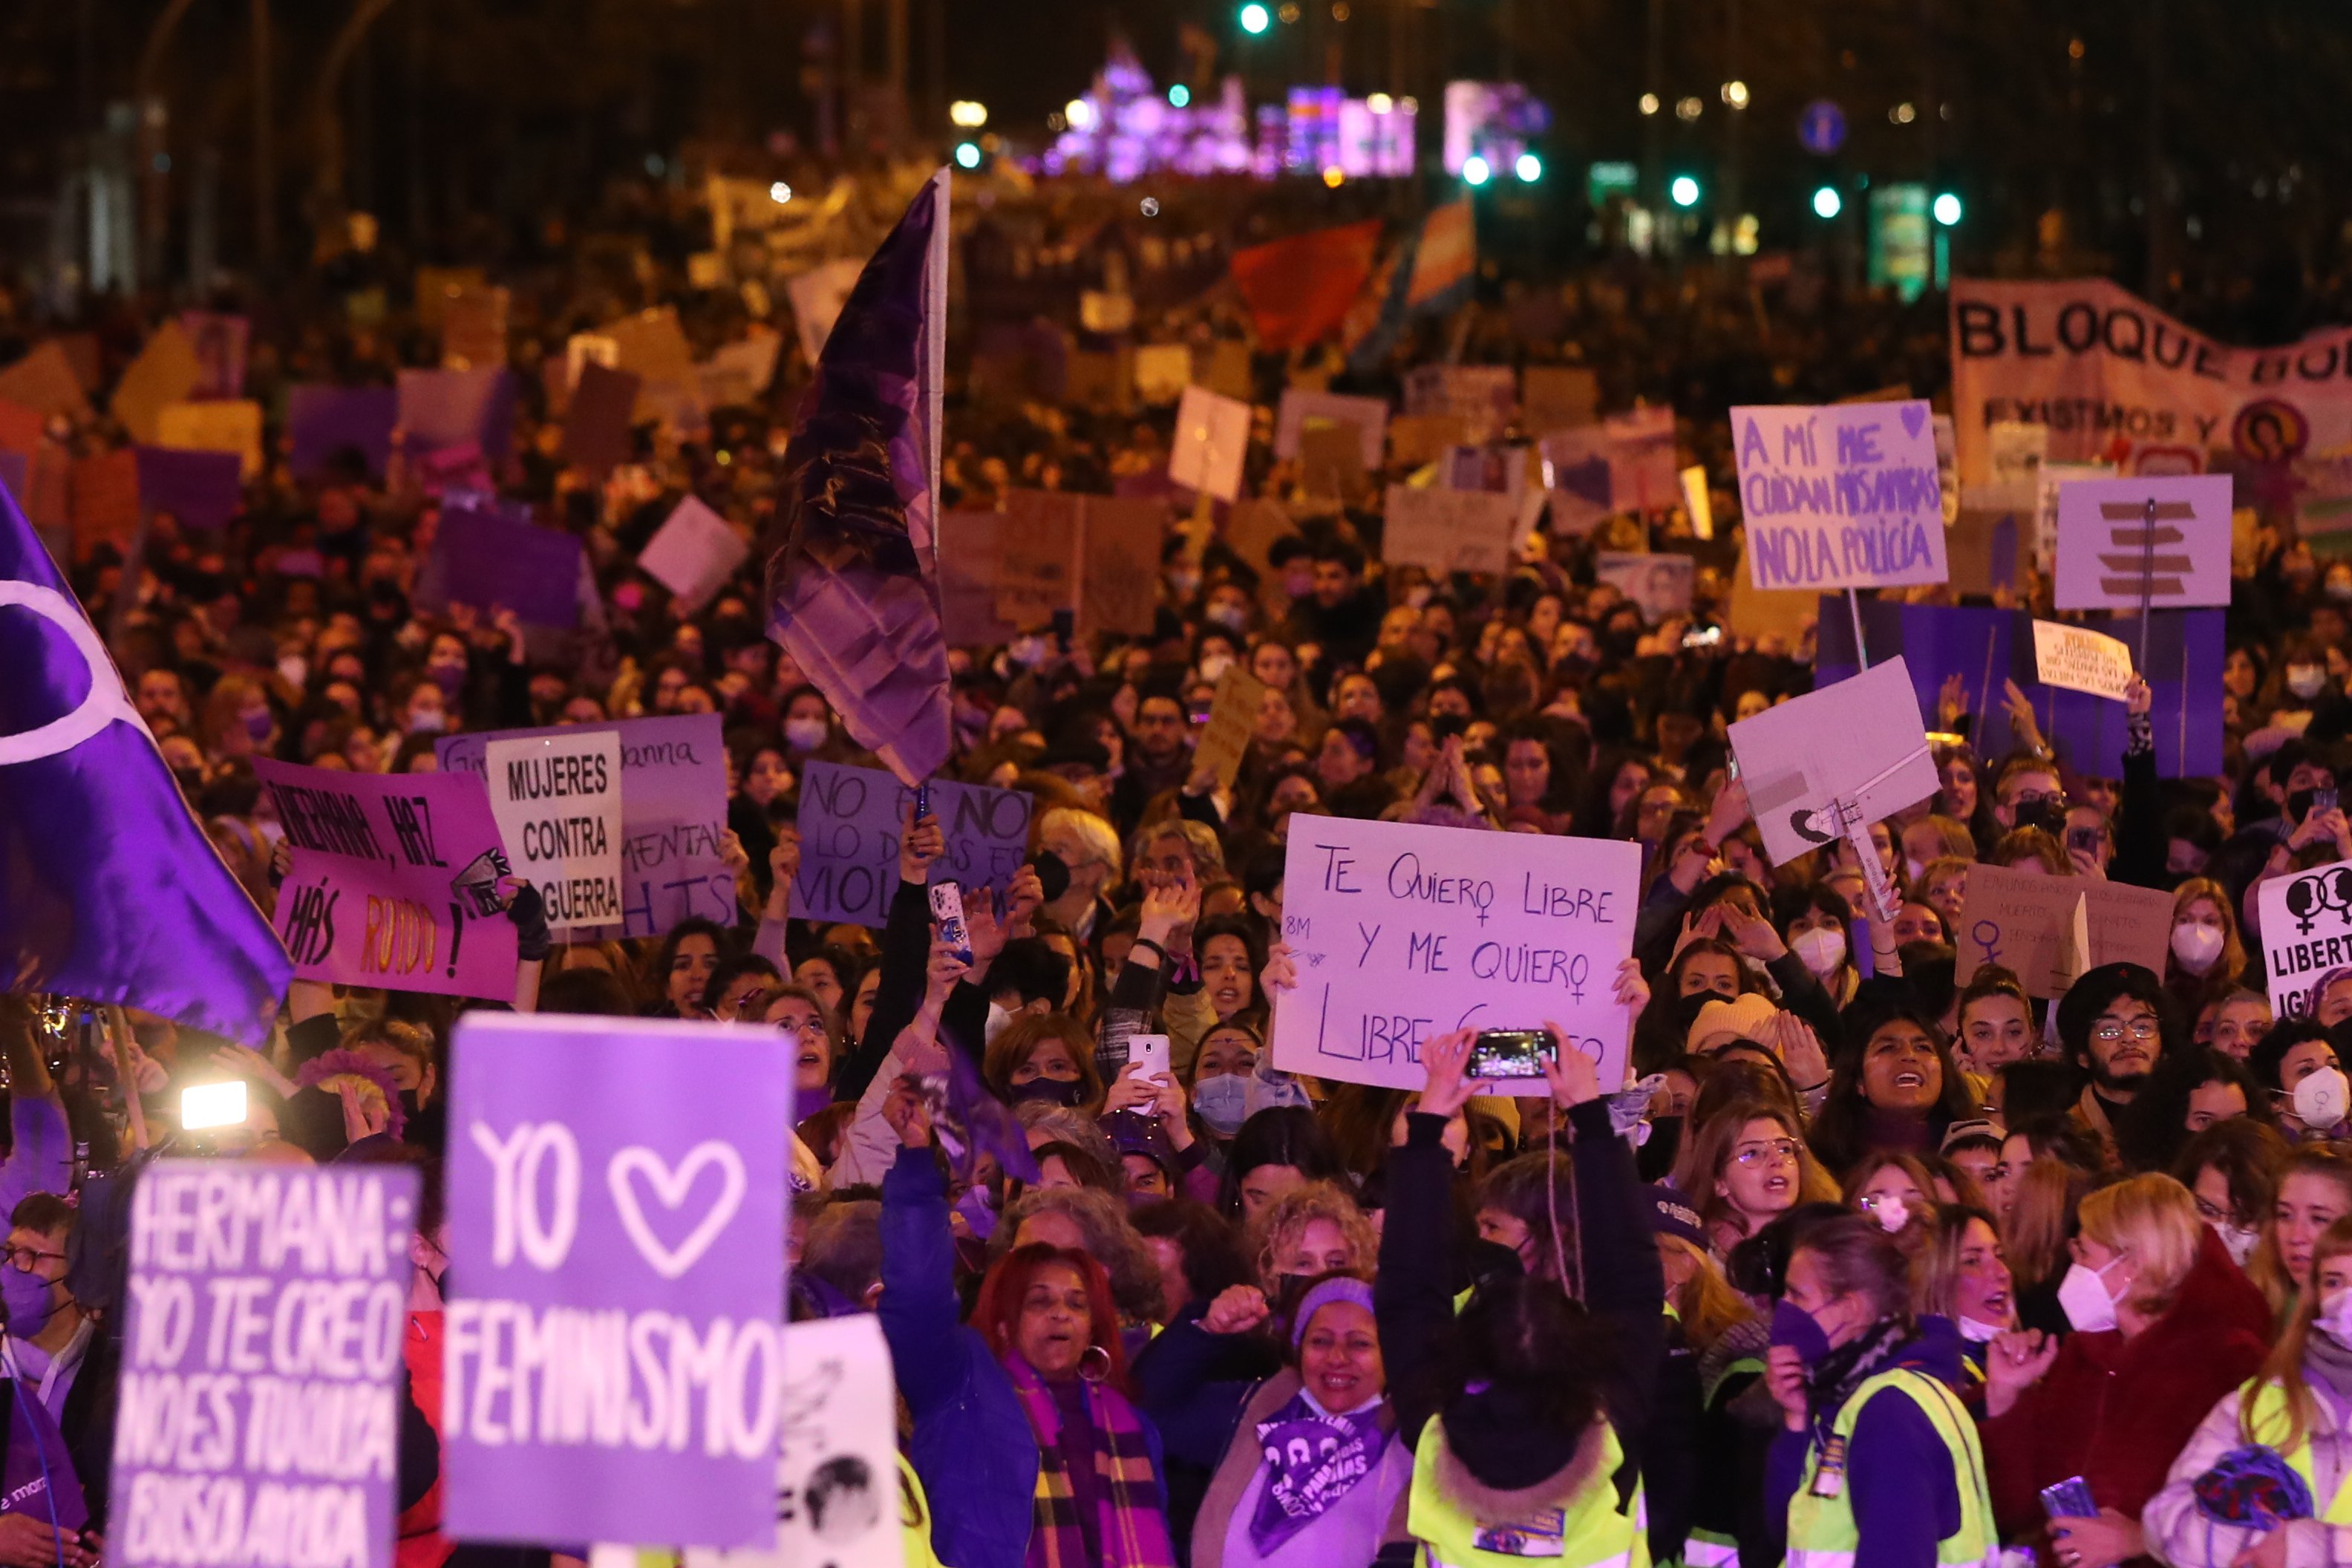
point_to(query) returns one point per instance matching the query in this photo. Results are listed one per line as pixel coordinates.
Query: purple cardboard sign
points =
(850, 824)
(673, 810)
(276, 1298)
(489, 559)
(203, 489)
(612, 1352)
(450, 407)
(395, 881)
(325, 421)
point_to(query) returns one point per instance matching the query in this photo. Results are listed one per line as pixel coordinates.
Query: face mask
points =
(1052, 1090)
(1185, 584)
(1418, 595)
(1027, 652)
(2197, 946)
(1820, 949)
(1977, 1333)
(2087, 1303)
(2239, 1240)
(1913, 870)
(295, 671)
(1230, 616)
(2046, 815)
(997, 1018)
(259, 722)
(1223, 1102)
(1213, 668)
(2321, 1100)
(28, 1300)
(805, 735)
(2306, 680)
(1800, 1331)
(449, 677)
(431, 721)
(2335, 1318)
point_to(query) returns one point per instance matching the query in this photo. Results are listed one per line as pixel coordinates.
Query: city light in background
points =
(1827, 203)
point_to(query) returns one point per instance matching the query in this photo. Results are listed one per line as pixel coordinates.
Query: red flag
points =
(1448, 253)
(1300, 289)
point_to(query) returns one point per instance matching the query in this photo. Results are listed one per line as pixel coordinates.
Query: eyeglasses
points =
(29, 1257)
(2139, 1028)
(1779, 1151)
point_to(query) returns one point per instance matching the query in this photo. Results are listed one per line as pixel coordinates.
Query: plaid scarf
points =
(1128, 1522)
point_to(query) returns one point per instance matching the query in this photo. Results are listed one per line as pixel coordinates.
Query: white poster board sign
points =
(1212, 437)
(1450, 531)
(2077, 659)
(1859, 741)
(2306, 934)
(693, 553)
(2110, 543)
(1401, 931)
(1660, 584)
(1841, 496)
(557, 801)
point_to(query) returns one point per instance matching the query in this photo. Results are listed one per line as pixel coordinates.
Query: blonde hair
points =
(1292, 1213)
(1709, 1307)
(2152, 1220)
(2283, 1365)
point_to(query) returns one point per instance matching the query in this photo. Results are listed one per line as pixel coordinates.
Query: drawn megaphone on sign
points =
(478, 881)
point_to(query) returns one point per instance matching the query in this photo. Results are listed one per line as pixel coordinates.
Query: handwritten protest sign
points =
(1482, 396)
(673, 810)
(1400, 932)
(1840, 496)
(557, 801)
(1302, 411)
(1557, 397)
(165, 372)
(1418, 438)
(597, 435)
(1212, 440)
(274, 1299)
(220, 342)
(2024, 922)
(1118, 564)
(1331, 462)
(1581, 481)
(214, 427)
(2306, 935)
(2080, 660)
(1162, 371)
(693, 553)
(1449, 531)
(446, 408)
(1232, 719)
(2109, 551)
(1660, 585)
(969, 559)
(1642, 466)
(1859, 741)
(616, 1247)
(1036, 570)
(394, 882)
(850, 823)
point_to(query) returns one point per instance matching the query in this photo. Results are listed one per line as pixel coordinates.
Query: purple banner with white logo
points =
(258, 1420)
(612, 1355)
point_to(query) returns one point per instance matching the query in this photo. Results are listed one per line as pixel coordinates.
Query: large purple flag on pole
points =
(109, 888)
(854, 593)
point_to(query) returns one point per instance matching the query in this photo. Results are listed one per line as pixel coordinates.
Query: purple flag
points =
(203, 489)
(325, 421)
(616, 1247)
(490, 558)
(220, 1251)
(854, 595)
(108, 888)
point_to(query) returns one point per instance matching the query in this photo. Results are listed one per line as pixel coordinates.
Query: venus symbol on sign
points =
(2311, 897)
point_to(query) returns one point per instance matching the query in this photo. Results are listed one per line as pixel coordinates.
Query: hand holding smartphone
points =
(1509, 1054)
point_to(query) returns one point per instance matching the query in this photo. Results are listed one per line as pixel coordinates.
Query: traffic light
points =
(1684, 191)
(967, 155)
(1948, 209)
(1255, 18)
(1476, 170)
(1529, 168)
(1827, 203)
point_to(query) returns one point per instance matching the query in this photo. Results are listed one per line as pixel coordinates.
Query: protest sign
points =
(1493, 466)
(1400, 932)
(203, 489)
(1557, 397)
(44, 381)
(214, 427)
(436, 285)
(557, 801)
(2015, 453)
(2024, 921)
(1582, 483)
(1698, 503)
(1162, 371)
(105, 499)
(1253, 527)
(1302, 411)
(165, 372)
(850, 820)
(2323, 497)
(693, 554)
(969, 556)
(2306, 935)
(1988, 551)
(673, 811)
(1212, 440)
(750, 360)
(2098, 366)
(474, 328)
(1119, 570)
(1331, 462)
(276, 1298)
(21, 430)
(394, 882)
(444, 408)
(1449, 531)
(1947, 473)
(326, 422)
(1036, 572)
(1227, 373)
(2080, 660)
(490, 560)
(1418, 438)
(652, 346)
(1859, 741)
(1843, 496)
(1643, 475)
(1482, 396)
(1660, 584)
(616, 1247)
(1102, 379)
(2164, 538)
(817, 296)
(219, 341)
(597, 423)
(1233, 720)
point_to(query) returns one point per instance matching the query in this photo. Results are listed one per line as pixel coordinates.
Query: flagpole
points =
(1854, 607)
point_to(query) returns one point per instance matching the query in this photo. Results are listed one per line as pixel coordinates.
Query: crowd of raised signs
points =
(1875, 1252)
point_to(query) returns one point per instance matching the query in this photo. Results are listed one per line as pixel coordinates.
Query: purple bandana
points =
(1312, 1461)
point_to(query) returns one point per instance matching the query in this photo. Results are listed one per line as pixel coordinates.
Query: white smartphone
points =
(947, 907)
(1151, 1053)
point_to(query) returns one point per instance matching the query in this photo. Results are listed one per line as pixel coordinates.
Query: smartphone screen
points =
(1509, 1053)
(947, 907)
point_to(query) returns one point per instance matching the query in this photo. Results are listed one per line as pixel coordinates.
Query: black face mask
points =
(1052, 1090)
(2050, 815)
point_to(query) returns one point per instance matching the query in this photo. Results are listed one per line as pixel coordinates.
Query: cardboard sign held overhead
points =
(2024, 921)
(969, 556)
(1418, 438)
(2110, 552)
(1331, 462)
(1118, 569)
(1450, 531)
(2306, 935)
(1557, 397)
(1991, 551)
(1233, 717)
(1302, 411)
(1860, 742)
(214, 427)
(1660, 584)
(1212, 436)
(693, 553)
(2080, 660)
(165, 372)
(1162, 371)
(1036, 571)
(1844, 496)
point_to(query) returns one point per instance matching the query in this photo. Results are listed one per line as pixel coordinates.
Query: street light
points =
(780, 192)
(1684, 191)
(1255, 18)
(1476, 170)
(1529, 168)
(1948, 209)
(1735, 93)
(1080, 113)
(1179, 96)
(1648, 105)
(967, 114)
(1827, 203)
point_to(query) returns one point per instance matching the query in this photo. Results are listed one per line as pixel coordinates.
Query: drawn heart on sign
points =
(1914, 415)
(671, 1188)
